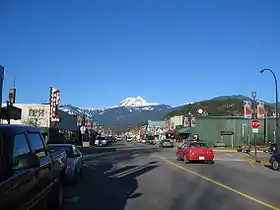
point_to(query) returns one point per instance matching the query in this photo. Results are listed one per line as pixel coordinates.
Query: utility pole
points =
(254, 95)
(8, 113)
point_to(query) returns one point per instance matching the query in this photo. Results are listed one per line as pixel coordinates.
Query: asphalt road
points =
(137, 177)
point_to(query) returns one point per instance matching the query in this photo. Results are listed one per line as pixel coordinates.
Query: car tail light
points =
(210, 152)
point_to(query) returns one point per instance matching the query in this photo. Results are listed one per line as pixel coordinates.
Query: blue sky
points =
(98, 52)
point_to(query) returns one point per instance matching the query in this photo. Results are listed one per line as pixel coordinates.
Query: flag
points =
(260, 110)
(247, 109)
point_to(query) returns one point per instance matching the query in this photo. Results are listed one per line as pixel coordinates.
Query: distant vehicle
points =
(101, 141)
(165, 143)
(119, 138)
(30, 176)
(195, 151)
(75, 160)
(129, 138)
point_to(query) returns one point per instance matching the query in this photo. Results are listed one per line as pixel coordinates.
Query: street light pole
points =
(276, 112)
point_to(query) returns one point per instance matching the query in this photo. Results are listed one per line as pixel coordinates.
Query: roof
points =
(185, 130)
(171, 132)
(19, 128)
(61, 145)
(161, 123)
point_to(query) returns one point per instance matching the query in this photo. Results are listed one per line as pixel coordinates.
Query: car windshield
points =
(197, 145)
(68, 150)
(166, 141)
(100, 138)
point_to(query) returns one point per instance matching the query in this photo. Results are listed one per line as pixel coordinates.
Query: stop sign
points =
(255, 123)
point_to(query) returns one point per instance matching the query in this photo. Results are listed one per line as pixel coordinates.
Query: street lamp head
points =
(265, 70)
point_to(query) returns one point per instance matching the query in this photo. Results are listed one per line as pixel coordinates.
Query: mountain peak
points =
(134, 102)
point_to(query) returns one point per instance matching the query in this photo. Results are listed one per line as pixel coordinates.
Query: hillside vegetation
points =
(215, 107)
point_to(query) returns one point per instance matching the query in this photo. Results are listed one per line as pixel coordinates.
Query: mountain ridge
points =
(129, 111)
(138, 110)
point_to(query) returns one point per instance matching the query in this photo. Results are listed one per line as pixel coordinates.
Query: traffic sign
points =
(255, 123)
(83, 129)
(255, 130)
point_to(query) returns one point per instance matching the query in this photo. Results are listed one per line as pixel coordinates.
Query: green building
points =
(232, 130)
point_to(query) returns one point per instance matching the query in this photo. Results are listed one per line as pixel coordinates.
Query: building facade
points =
(229, 130)
(39, 115)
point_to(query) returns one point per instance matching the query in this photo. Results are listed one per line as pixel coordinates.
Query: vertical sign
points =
(54, 100)
(79, 121)
(167, 124)
(87, 123)
(186, 121)
(260, 110)
(172, 126)
(247, 109)
(193, 122)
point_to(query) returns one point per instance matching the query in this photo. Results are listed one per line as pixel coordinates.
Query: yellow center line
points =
(223, 186)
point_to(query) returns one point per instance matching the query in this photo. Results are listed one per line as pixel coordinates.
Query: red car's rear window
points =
(197, 145)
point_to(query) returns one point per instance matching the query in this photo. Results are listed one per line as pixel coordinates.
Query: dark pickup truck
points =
(30, 177)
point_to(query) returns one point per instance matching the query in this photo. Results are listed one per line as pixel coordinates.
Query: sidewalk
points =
(262, 158)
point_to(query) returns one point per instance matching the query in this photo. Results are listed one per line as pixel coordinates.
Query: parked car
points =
(275, 161)
(75, 160)
(165, 143)
(143, 141)
(195, 151)
(30, 176)
(119, 138)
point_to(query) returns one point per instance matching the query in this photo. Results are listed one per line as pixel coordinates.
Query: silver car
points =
(74, 159)
(101, 141)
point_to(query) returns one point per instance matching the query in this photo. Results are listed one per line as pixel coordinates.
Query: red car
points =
(195, 151)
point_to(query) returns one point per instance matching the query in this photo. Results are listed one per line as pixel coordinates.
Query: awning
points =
(185, 130)
(171, 132)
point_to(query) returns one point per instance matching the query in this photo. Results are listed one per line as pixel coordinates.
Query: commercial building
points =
(156, 129)
(229, 130)
(39, 115)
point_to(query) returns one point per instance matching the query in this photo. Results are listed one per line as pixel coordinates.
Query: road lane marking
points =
(222, 185)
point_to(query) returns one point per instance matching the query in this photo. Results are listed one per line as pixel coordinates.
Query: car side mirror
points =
(26, 161)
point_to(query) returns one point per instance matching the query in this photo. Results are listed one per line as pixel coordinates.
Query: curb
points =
(253, 160)
(225, 150)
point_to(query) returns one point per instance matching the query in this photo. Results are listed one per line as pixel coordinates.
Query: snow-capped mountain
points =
(130, 110)
(135, 102)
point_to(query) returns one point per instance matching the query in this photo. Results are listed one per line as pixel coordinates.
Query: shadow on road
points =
(106, 187)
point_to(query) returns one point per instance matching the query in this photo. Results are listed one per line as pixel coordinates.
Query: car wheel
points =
(178, 158)
(186, 159)
(275, 165)
(58, 202)
(211, 161)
